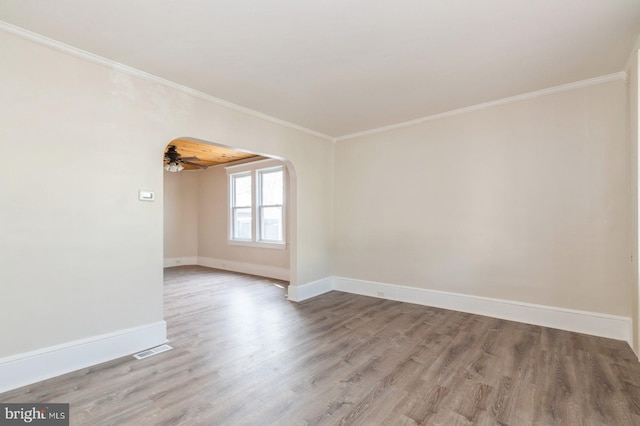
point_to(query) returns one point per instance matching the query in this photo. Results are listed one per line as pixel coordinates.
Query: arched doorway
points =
(196, 210)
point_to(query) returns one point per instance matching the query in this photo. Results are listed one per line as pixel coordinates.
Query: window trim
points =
(233, 207)
(254, 169)
(260, 204)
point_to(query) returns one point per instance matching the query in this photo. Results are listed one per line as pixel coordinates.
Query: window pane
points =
(272, 188)
(242, 223)
(271, 224)
(242, 190)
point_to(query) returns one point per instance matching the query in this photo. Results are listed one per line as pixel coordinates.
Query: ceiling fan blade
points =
(189, 158)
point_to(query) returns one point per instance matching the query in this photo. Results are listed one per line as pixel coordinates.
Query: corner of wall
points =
(302, 292)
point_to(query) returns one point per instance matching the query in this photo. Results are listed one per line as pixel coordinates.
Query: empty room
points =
(306, 213)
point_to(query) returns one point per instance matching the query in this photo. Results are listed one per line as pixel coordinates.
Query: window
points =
(270, 199)
(256, 204)
(241, 206)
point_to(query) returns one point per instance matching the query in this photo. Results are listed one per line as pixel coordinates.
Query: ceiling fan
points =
(174, 162)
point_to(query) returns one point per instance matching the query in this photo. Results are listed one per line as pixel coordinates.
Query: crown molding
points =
(91, 57)
(556, 89)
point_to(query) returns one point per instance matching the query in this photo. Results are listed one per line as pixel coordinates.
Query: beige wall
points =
(81, 256)
(213, 225)
(633, 118)
(525, 201)
(180, 214)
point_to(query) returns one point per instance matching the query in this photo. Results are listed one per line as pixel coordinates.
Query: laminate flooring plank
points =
(369, 365)
(355, 372)
(427, 392)
(514, 390)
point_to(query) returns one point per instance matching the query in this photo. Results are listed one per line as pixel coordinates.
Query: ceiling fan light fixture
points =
(173, 167)
(173, 161)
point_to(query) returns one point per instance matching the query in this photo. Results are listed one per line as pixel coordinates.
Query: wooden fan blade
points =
(189, 158)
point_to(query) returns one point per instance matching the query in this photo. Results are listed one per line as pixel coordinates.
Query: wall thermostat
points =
(146, 196)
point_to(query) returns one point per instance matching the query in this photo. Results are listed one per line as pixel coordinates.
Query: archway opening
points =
(199, 217)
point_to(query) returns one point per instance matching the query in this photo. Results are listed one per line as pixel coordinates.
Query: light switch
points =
(146, 196)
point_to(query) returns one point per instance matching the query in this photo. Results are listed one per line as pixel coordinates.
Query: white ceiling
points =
(344, 66)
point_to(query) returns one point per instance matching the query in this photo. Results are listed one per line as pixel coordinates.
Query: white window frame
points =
(256, 169)
(233, 206)
(260, 205)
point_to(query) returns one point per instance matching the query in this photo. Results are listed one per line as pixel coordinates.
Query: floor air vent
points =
(151, 352)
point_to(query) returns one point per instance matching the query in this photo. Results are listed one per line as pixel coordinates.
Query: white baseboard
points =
(245, 268)
(31, 367)
(593, 323)
(180, 261)
(298, 293)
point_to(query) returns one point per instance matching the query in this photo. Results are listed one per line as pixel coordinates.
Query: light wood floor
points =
(244, 355)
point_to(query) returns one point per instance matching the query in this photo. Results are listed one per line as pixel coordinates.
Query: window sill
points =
(258, 244)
